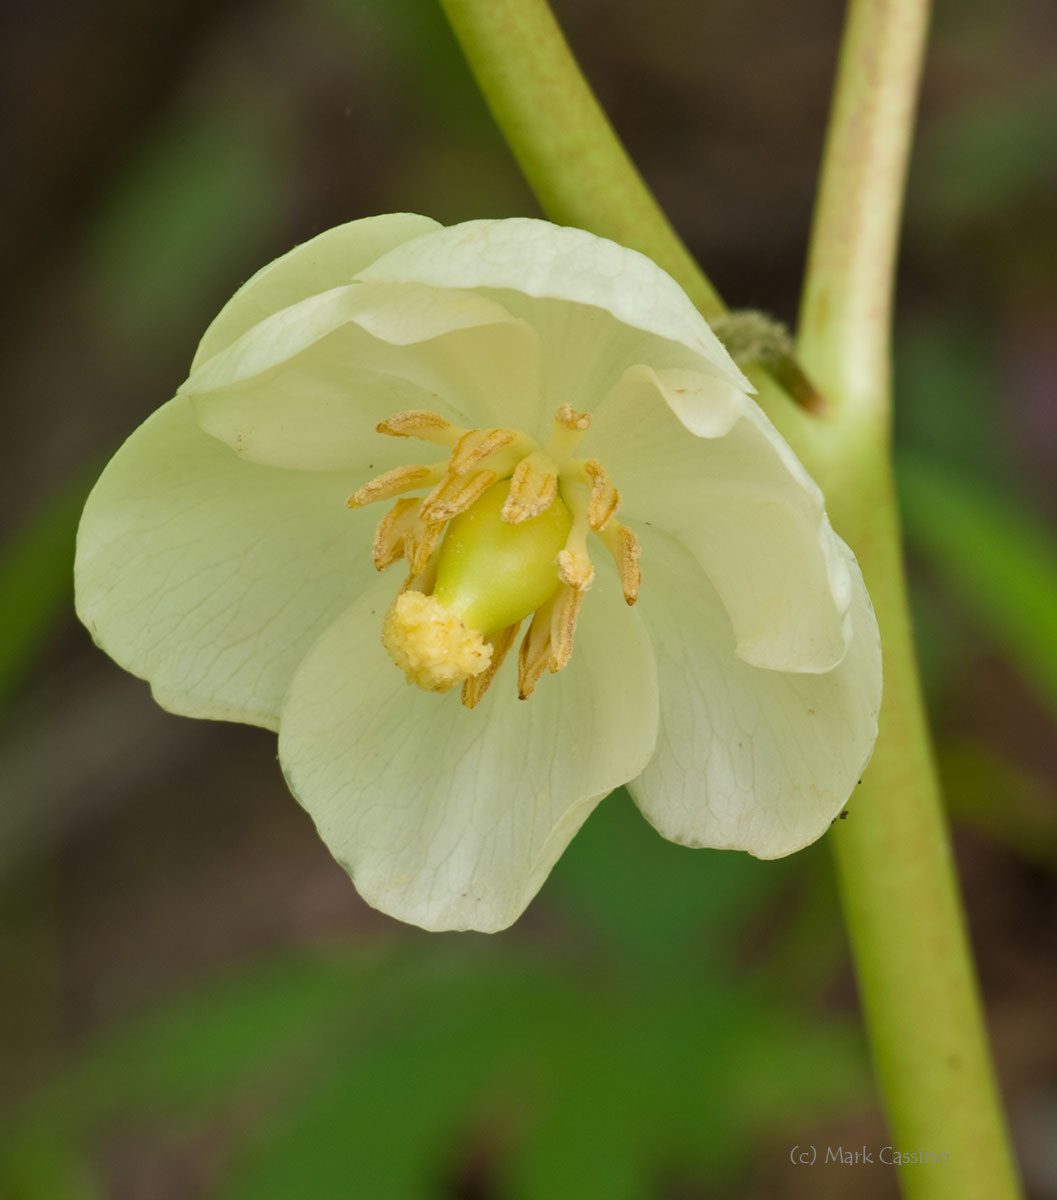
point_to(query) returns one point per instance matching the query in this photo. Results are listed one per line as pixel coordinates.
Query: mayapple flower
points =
(553, 434)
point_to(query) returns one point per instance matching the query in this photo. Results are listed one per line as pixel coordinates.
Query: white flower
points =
(219, 559)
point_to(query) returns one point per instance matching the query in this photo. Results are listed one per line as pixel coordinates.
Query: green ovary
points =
(492, 574)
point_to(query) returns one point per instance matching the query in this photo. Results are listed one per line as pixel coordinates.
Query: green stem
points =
(893, 855)
(845, 315)
(561, 138)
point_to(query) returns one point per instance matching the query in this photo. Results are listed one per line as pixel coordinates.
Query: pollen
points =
(431, 645)
(502, 533)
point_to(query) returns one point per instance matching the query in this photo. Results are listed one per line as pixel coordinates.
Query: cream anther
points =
(474, 447)
(569, 427)
(605, 500)
(393, 483)
(455, 493)
(533, 487)
(421, 424)
(623, 545)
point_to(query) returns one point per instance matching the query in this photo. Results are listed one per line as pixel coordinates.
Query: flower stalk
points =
(561, 138)
(893, 860)
(893, 856)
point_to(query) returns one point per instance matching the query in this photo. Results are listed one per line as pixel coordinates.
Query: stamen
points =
(422, 424)
(477, 445)
(393, 483)
(534, 655)
(567, 603)
(421, 544)
(575, 568)
(569, 427)
(624, 546)
(605, 499)
(454, 494)
(390, 538)
(548, 644)
(533, 488)
(568, 418)
(474, 688)
(574, 562)
(402, 533)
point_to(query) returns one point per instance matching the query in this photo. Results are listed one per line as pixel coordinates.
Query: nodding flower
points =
(569, 462)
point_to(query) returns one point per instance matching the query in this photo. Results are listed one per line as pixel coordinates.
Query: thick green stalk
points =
(560, 136)
(893, 854)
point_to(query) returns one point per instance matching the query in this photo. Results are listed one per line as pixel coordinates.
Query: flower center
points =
(501, 534)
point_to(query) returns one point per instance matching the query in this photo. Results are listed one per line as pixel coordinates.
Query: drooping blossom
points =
(407, 453)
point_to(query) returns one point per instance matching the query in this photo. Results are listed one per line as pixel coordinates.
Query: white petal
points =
(748, 759)
(324, 262)
(739, 499)
(209, 576)
(598, 306)
(450, 818)
(306, 386)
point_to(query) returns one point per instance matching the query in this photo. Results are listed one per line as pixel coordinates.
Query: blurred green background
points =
(194, 1003)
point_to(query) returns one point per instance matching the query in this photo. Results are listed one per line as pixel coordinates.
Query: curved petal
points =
(598, 307)
(211, 577)
(305, 387)
(739, 499)
(748, 759)
(451, 818)
(327, 261)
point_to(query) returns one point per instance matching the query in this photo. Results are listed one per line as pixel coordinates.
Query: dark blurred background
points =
(194, 1003)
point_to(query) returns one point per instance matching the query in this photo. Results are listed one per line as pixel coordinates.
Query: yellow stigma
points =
(501, 535)
(431, 645)
(489, 575)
